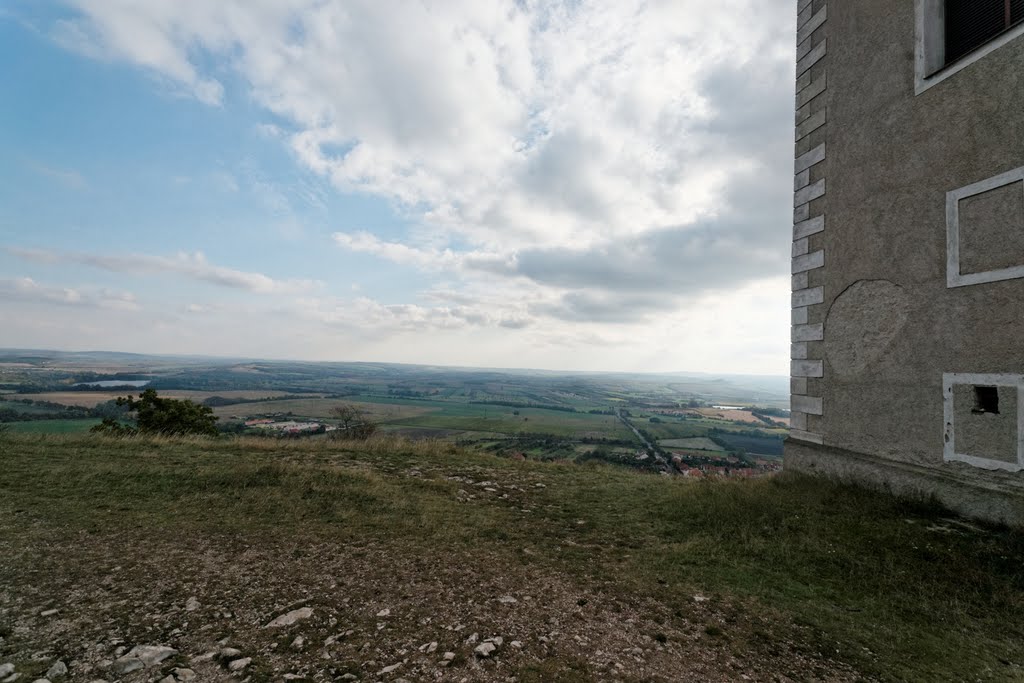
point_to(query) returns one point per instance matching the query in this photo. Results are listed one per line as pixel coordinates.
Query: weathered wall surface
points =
(890, 325)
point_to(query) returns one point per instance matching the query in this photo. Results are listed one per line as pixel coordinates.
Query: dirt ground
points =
(374, 613)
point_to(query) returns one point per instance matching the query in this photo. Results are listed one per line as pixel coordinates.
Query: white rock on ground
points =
(6, 670)
(192, 604)
(58, 670)
(10, 679)
(49, 612)
(384, 613)
(151, 655)
(298, 643)
(292, 617)
(184, 675)
(390, 669)
(239, 664)
(230, 652)
(485, 649)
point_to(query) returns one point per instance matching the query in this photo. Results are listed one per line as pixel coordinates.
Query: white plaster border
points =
(930, 46)
(949, 454)
(953, 198)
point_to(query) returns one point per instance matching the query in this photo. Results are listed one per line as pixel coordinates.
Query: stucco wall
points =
(891, 325)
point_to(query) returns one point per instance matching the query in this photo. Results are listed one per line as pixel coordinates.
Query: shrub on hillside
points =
(353, 423)
(155, 415)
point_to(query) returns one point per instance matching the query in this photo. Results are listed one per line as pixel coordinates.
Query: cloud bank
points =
(571, 170)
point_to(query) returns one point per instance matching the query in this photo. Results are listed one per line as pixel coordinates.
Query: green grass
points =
(884, 585)
(53, 426)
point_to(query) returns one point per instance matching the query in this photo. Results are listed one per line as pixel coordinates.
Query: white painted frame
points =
(949, 454)
(931, 51)
(953, 198)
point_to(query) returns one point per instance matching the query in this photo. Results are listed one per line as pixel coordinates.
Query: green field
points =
(797, 579)
(53, 426)
(699, 443)
(503, 420)
(395, 414)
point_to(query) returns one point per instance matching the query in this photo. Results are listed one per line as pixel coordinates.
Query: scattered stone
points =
(191, 605)
(126, 665)
(497, 640)
(6, 670)
(298, 643)
(49, 612)
(700, 598)
(429, 647)
(151, 655)
(448, 656)
(239, 664)
(390, 669)
(10, 679)
(40, 680)
(516, 644)
(295, 677)
(292, 617)
(58, 670)
(507, 600)
(485, 649)
(350, 677)
(205, 657)
(229, 653)
(167, 679)
(473, 638)
(384, 613)
(184, 675)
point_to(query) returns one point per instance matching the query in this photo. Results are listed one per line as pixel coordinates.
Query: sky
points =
(558, 184)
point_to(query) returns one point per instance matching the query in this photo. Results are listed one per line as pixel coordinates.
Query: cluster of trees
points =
(49, 412)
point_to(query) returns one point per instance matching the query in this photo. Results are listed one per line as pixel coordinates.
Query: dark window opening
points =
(986, 400)
(972, 23)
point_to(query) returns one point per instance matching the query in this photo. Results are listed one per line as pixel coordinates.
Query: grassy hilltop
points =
(406, 551)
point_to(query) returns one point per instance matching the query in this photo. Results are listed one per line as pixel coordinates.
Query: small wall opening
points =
(986, 400)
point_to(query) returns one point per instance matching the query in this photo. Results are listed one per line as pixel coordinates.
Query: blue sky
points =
(558, 185)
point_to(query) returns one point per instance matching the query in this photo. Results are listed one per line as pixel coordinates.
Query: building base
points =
(986, 496)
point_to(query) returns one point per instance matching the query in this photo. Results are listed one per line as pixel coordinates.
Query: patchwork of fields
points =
(536, 415)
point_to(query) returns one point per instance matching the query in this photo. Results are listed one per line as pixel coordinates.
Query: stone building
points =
(908, 249)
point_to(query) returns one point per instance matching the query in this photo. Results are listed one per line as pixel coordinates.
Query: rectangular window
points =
(953, 34)
(972, 23)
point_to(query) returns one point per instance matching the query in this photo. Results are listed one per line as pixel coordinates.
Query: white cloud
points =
(502, 123)
(68, 177)
(577, 172)
(193, 266)
(25, 289)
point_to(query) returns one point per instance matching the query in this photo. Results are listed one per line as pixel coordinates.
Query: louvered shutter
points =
(972, 23)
